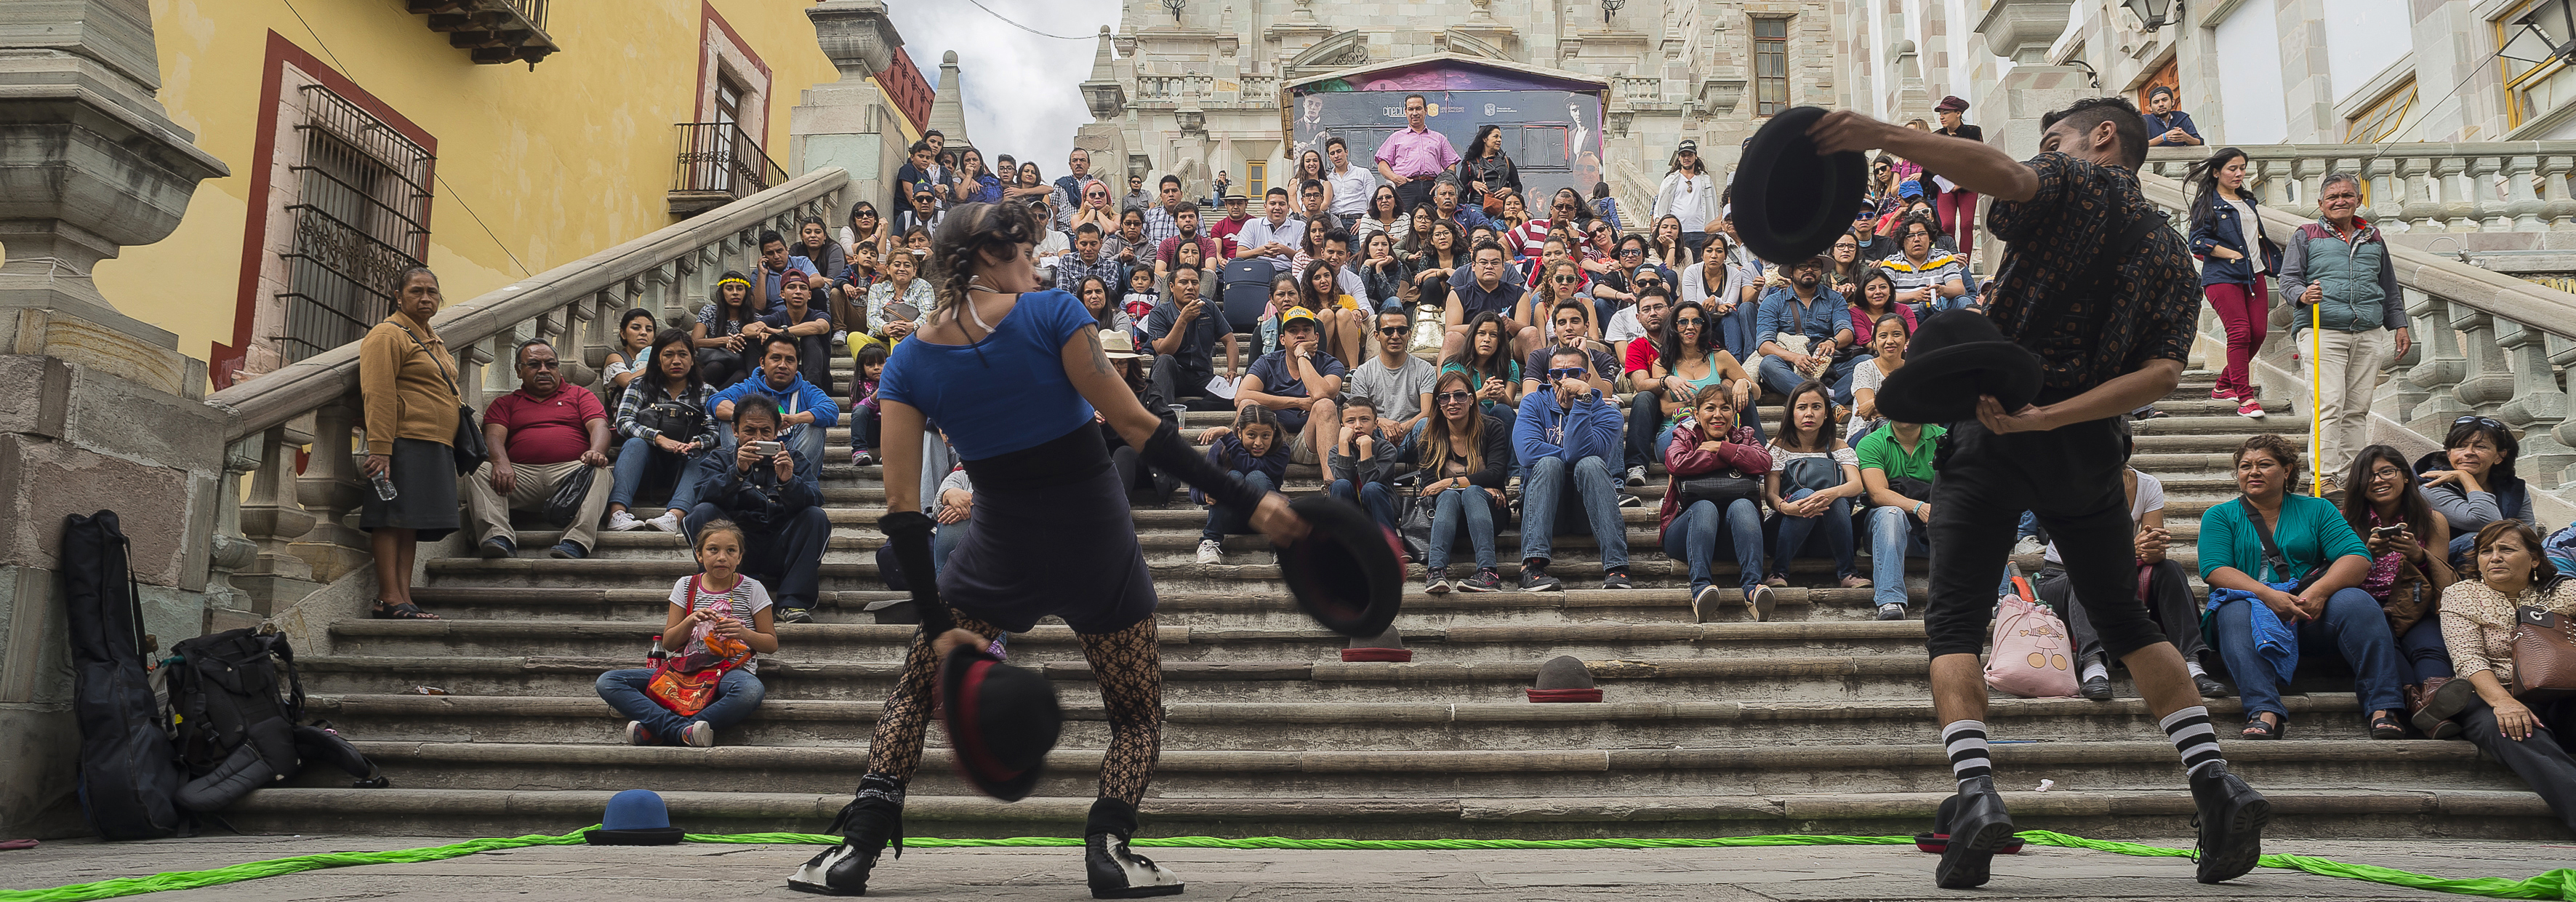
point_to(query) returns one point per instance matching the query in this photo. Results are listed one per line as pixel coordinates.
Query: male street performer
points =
(2109, 308)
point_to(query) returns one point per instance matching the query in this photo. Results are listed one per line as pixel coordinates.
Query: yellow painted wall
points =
(556, 162)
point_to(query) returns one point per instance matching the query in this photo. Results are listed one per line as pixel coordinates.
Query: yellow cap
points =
(1294, 314)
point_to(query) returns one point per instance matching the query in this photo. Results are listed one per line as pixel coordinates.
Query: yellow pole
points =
(2316, 404)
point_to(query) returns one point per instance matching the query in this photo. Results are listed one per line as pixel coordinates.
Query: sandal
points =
(2383, 725)
(403, 611)
(2258, 728)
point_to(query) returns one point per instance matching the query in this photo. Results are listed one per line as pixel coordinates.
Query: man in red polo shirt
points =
(540, 436)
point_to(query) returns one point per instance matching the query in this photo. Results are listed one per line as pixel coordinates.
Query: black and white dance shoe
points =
(866, 825)
(1979, 829)
(1115, 871)
(2231, 817)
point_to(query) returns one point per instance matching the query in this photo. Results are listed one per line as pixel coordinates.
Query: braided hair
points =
(968, 232)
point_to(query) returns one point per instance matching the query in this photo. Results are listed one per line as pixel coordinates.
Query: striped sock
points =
(1966, 740)
(2192, 736)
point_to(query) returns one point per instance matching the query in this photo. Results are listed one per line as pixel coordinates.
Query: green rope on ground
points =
(2558, 884)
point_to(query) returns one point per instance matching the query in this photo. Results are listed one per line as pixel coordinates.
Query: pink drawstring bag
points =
(2033, 653)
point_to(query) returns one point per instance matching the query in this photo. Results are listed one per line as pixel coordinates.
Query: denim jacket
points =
(2222, 228)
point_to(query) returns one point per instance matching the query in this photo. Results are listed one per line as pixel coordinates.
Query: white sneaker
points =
(1211, 552)
(1762, 601)
(667, 522)
(697, 733)
(621, 521)
(1637, 475)
(636, 734)
(841, 338)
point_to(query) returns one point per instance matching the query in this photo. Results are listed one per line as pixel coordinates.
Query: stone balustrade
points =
(292, 531)
(1174, 87)
(2496, 186)
(2485, 343)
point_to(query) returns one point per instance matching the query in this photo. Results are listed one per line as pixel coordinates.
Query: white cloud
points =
(1021, 91)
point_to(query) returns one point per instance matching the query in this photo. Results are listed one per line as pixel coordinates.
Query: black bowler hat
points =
(1790, 202)
(1955, 357)
(1345, 573)
(1001, 721)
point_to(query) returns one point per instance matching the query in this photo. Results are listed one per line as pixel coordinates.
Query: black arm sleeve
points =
(1167, 454)
(909, 533)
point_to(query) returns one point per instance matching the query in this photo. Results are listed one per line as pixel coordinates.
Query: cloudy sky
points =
(1021, 97)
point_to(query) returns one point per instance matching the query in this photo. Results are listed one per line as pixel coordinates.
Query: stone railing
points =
(290, 534)
(2484, 343)
(1174, 87)
(2498, 186)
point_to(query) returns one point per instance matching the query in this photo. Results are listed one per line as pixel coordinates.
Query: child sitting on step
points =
(717, 601)
(1253, 449)
(870, 360)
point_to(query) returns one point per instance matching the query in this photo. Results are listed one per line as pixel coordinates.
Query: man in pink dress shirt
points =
(1415, 157)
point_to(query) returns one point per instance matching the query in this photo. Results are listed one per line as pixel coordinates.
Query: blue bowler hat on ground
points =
(635, 817)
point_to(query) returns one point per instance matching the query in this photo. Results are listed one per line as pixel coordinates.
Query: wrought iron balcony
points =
(718, 164)
(494, 31)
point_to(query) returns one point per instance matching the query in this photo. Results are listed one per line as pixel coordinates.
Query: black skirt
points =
(1050, 534)
(424, 477)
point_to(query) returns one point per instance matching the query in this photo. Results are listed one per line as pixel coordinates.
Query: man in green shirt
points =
(1896, 468)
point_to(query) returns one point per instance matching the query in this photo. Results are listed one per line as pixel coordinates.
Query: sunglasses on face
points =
(867, 214)
(1562, 373)
(1567, 280)
(1691, 321)
(1454, 397)
(1394, 330)
(1649, 283)
(1631, 252)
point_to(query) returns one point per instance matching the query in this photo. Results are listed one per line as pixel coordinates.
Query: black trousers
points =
(2542, 760)
(787, 558)
(1186, 383)
(1415, 192)
(2168, 597)
(2070, 478)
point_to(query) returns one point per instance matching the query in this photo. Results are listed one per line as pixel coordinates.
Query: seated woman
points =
(668, 423)
(1388, 278)
(2408, 568)
(716, 601)
(2535, 739)
(1814, 477)
(1464, 458)
(1887, 339)
(1342, 318)
(2267, 538)
(1688, 358)
(1707, 446)
(897, 302)
(631, 357)
(1094, 292)
(718, 333)
(1491, 372)
(2471, 483)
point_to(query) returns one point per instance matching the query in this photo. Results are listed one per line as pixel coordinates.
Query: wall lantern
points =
(2547, 32)
(2155, 14)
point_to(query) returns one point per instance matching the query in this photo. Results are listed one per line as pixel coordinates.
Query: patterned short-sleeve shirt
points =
(2052, 242)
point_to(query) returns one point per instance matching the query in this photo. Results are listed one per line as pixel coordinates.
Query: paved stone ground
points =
(584, 873)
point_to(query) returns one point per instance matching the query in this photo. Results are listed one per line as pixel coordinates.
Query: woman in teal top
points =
(2332, 616)
(1487, 361)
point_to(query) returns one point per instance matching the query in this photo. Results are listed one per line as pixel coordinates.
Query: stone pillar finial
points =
(2023, 30)
(856, 35)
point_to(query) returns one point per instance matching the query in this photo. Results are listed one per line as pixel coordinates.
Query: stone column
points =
(107, 413)
(2023, 30)
(849, 123)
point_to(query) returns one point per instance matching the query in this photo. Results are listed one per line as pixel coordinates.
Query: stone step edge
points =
(694, 808)
(1742, 667)
(1169, 634)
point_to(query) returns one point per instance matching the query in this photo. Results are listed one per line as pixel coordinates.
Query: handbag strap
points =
(2272, 556)
(433, 359)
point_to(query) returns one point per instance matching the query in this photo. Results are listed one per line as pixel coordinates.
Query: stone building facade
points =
(1190, 87)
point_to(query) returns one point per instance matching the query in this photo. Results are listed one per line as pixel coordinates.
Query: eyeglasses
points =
(1632, 252)
(1680, 321)
(1454, 397)
(1567, 280)
(867, 214)
(1097, 195)
(1394, 330)
(2387, 474)
(1649, 283)
(2482, 421)
(1565, 372)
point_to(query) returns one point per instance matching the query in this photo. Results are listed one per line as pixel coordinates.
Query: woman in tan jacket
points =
(2532, 738)
(407, 379)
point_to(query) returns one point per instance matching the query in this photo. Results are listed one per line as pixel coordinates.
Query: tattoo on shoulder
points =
(1099, 357)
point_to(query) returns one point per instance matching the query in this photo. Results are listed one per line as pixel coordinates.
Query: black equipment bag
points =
(236, 722)
(128, 779)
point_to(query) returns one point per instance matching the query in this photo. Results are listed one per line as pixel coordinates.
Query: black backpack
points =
(128, 779)
(236, 724)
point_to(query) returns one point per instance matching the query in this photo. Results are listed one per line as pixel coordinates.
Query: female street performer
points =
(2104, 296)
(1014, 376)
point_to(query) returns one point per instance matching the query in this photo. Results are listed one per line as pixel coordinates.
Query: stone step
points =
(1342, 726)
(1396, 775)
(2367, 809)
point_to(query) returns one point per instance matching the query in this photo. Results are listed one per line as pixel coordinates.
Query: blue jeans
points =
(1777, 375)
(1837, 523)
(1736, 329)
(1693, 534)
(1893, 536)
(1546, 487)
(2426, 653)
(1222, 520)
(944, 539)
(1471, 508)
(638, 460)
(736, 697)
(1377, 497)
(2353, 626)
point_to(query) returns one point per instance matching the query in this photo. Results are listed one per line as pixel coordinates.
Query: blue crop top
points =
(1005, 393)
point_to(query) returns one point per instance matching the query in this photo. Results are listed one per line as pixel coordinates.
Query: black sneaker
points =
(1980, 826)
(866, 825)
(499, 547)
(1435, 582)
(2231, 819)
(1534, 578)
(1485, 580)
(1616, 579)
(2096, 688)
(2209, 686)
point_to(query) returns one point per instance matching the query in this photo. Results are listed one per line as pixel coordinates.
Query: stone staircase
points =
(1816, 722)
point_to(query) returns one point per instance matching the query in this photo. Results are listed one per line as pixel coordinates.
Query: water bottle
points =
(384, 487)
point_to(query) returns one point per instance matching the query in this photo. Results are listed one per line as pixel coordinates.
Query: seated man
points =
(1568, 439)
(781, 515)
(1363, 465)
(2167, 594)
(1298, 382)
(1808, 309)
(1896, 470)
(804, 322)
(776, 261)
(805, 408)
(1570, 321)
(1486, 291)
(1185, 330)
(540, 436)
